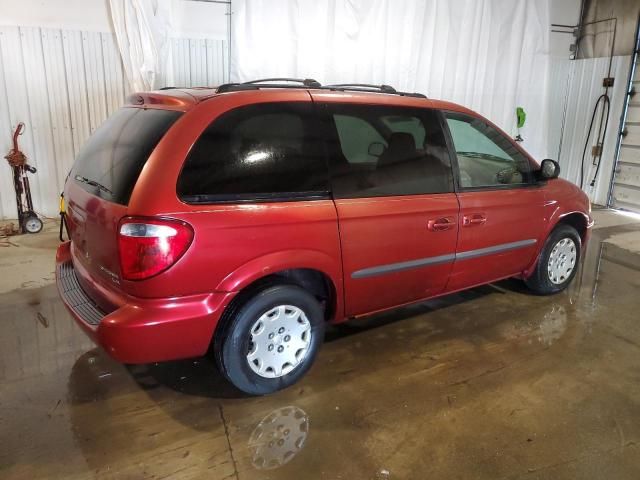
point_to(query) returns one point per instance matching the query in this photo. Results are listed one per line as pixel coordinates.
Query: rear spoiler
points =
(172, 99)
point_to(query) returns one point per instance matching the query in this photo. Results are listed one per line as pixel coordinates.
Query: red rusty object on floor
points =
(28, 220)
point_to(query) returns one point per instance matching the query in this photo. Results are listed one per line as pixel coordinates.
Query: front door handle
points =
(474, 219)
(441, 224)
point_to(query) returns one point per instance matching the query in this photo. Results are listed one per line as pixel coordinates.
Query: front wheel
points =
(558, 261)
(270, 340)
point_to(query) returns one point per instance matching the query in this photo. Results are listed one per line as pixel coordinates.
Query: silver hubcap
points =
(562, 260)
(32, 225)
(279, 341)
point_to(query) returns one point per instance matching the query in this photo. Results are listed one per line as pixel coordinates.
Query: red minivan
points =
(240, 220)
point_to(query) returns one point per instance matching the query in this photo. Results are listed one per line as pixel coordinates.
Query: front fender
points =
(559, 213)
(554, 219)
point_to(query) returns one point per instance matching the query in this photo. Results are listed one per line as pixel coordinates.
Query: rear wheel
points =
(558, 261)
(269, 341)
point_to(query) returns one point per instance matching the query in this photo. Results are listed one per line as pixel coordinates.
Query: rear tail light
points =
(148, 247)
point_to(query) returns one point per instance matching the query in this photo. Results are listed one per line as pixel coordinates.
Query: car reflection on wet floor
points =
(493, 382)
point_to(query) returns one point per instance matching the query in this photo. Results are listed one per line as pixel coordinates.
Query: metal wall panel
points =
(629, 154)
(63, 84)
(560, 77)
(95, 78)
(76, 85)
(633, 112)
(58, 97)
(114, 77)
(181, 61)
(628, 174)
(199, 62)
(626, 186)
(39, 115)
(585, 86)
(6, 185)
(18, 107)
(217, 58)
(633, 135)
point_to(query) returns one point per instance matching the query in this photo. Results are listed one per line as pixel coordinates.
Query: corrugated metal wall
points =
(199, 62)
(584, 87)
(63, 84)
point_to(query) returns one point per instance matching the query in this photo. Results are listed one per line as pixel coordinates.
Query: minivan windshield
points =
(110, 163)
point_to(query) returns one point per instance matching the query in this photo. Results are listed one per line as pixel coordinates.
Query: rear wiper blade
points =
(93, 183)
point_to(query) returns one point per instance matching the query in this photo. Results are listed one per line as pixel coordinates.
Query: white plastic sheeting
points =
(142, 30)
(584, 87)
(489, 55)
(63, 84)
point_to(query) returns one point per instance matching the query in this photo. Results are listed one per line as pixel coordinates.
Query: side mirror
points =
(549, 169)
(376, 149)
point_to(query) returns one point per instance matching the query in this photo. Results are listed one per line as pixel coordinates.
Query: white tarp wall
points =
(61, 74)
(490, 55)
(142, 29)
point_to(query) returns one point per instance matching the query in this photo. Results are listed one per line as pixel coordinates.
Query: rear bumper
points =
(141, 330)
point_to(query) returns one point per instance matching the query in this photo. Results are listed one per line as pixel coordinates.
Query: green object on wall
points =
(522, 116)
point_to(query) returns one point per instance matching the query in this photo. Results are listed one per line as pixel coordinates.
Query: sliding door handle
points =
(441, 224)
(474, 219)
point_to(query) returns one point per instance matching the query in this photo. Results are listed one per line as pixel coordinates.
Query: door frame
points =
(635, 58)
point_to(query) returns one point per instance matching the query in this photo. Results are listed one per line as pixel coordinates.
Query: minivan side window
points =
(486, 158)
(355, 132)
(267, 151)
(386, 151)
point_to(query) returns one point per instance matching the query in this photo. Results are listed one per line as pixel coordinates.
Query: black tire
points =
(232, 338)
(540, 281)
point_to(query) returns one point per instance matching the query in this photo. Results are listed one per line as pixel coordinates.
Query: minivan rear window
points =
(110, 163)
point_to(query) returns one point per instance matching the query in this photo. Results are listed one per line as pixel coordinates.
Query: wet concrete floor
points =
(489, 383)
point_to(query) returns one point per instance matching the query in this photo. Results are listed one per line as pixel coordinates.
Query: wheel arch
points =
(314, 271)
(576, 219)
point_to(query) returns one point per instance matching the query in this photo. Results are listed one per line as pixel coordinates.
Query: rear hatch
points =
(99, 186)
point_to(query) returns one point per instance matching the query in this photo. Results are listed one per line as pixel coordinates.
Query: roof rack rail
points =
(307, 82)
(268, 83)
(311, 83)
(366, 87)
(362, 86)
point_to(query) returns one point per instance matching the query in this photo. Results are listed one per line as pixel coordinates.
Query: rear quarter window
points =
(110, 162)
(257, 152)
